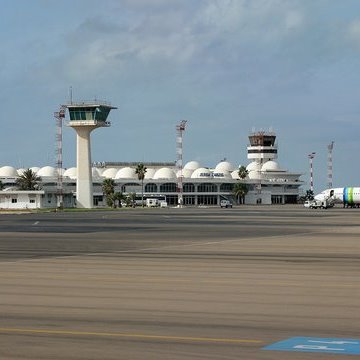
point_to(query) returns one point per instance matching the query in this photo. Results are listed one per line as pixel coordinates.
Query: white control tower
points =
(84, 118)
(262, 147)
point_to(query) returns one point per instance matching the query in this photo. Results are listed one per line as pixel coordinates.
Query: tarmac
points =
(186, 283)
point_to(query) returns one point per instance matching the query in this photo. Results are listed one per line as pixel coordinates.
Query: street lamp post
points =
(311, 157)
(330, 165)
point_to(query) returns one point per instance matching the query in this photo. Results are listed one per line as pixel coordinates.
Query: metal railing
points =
(88, 102)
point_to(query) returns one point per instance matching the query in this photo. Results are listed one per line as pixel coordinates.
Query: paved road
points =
(177, 283)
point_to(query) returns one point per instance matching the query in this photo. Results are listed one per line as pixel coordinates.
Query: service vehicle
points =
(318, 204)
(225, 204)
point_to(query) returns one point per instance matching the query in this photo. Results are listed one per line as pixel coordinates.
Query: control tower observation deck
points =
(262, 146)
(85, 117)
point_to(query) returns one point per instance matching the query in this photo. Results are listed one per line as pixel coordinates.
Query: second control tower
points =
(84, 118)
(262, 147)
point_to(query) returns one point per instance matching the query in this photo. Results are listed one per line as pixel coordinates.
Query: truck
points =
(318, 204)
(152, 202)
(155, 202)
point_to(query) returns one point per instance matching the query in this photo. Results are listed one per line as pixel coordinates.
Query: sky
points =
(226, 66)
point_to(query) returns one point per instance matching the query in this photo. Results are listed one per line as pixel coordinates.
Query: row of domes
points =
(191, 170)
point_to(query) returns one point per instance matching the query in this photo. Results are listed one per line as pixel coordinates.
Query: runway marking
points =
(322, 345)
(253, 282)
(125, 335)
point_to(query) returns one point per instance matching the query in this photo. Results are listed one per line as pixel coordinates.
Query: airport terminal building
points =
(267, 182)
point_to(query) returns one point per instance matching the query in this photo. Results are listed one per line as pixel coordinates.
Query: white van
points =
(152, 202)
(225, 204)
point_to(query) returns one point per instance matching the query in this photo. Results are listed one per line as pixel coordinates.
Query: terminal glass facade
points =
(151, 188)
(168, 187)
(206, 187)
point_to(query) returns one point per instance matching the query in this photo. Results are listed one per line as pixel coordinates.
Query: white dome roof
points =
(165, 173)
(99, 170)
(71, 173)
(271, 166)
(126, 173)
(35, 169)
(192, 165)
(201, 173)
(224, 166)
(222, 174)
(186, 173)
(235, 174)
(109, 173)
(253, 174)
(95, 172)
(20, 171)
(47, 171)
(8, 171)
(253, 166)
(150, 173)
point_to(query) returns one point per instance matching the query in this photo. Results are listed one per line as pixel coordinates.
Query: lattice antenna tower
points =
(59, 117)
(180, 128)
(330, 165)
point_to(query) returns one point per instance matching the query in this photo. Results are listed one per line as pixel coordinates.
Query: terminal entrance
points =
(277, 199)
(172, 199)
(189, 199)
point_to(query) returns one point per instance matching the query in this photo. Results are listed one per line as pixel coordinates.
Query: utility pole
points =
(180, 128)
(330, 165)
(311, 157)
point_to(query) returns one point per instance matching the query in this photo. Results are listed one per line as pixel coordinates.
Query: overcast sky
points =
(226, 66)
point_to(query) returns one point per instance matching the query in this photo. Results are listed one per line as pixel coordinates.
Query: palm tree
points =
(309, 195)
(119, 197)
(1, 185)
(130, 199)
(240, 190)
(28, 180)
(108, 188)
(243, 173)
(141, 171)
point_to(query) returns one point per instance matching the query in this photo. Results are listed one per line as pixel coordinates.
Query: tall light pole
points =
(311, 157)
(180, 128)
(59, 116)
(330, 165)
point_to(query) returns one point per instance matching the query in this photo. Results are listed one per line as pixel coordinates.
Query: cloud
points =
(353, 32)
(265, 44)
(207, 31)
(260, 20)
(293, 20)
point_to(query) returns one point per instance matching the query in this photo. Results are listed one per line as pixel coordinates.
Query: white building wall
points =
(20, 199)
(252, 198)
(39, 199)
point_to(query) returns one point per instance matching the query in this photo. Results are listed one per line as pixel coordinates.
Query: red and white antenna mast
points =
(330, 165)
(59, 116)
(180, 128)
(311, 157)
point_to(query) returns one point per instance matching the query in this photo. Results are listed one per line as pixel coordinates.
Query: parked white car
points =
(225, 204)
